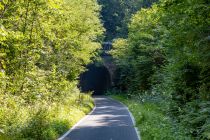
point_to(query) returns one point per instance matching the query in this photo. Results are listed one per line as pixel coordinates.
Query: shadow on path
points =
(109, 121)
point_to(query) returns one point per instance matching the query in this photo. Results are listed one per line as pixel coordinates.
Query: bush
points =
(43, 120)
(152, 120)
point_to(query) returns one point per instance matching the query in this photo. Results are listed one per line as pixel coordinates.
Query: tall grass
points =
(42, 120)
(152, 121)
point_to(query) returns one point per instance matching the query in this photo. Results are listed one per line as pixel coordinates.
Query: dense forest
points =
(161, 50)
(116, 14)
(44, 46)
(164, 62)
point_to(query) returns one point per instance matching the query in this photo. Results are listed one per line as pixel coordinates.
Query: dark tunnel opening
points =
(96, 79)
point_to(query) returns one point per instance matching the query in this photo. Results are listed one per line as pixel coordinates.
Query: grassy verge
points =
(152, 121)
(43, 120)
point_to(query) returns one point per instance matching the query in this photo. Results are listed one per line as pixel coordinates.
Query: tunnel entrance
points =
(96, 79)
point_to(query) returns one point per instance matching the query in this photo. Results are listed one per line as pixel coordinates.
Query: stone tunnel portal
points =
(96, 79)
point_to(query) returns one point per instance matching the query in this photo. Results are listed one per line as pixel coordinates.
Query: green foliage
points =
(44, 46)
(44, 120)
(116, 15)
(152, 122)
(144, 52)
(167, 52)
(196, 115)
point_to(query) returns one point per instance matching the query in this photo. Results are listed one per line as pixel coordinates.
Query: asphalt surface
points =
(110, 120)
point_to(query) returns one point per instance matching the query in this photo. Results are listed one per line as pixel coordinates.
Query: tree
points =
(166, 53)
(116, 15)
(44, 46)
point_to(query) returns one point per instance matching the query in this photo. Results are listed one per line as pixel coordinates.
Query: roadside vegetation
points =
(44, 47)
(151, 118)
(161, 51)
(166, 56)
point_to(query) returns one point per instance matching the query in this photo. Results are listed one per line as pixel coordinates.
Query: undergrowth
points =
(151, 119)
(43, 120)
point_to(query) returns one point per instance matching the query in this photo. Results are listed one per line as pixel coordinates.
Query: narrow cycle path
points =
(110, 120)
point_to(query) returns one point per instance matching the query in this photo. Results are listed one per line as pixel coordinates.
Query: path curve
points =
(110, 120)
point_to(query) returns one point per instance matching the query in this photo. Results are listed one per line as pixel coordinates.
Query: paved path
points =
(109, 121)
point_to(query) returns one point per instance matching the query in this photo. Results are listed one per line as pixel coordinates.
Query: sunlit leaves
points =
(44, 46)
(168, 51)
(54, 4)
